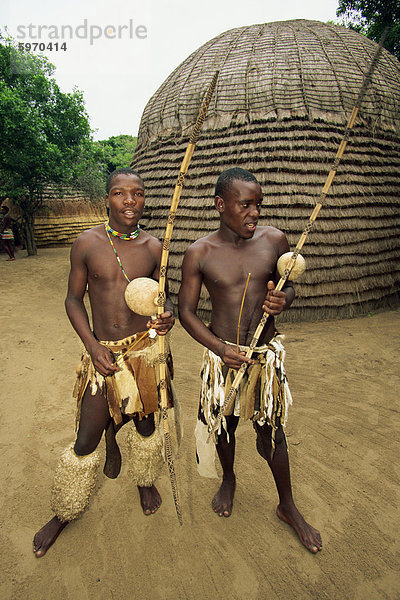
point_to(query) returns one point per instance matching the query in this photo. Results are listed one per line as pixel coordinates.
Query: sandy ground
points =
(344, 448)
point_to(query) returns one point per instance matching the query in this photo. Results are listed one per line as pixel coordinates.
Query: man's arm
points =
(189, 295)
(277, 301)
(77, 313)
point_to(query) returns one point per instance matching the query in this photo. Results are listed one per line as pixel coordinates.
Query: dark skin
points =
(94, 263)
(8, 245)
(222, 261)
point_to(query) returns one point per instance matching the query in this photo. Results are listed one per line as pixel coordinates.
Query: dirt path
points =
(344, 447)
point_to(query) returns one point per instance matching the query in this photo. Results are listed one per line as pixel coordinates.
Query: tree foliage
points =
(91, 172)
(118, 151)
(371, 17)
(45, 133)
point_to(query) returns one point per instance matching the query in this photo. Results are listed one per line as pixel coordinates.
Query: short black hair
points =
(120, 172)
(226, 179)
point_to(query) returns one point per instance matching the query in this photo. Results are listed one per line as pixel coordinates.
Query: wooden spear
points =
(162, 356)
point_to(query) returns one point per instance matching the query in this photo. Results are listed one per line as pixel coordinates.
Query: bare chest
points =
(125, 260)
(229, 268)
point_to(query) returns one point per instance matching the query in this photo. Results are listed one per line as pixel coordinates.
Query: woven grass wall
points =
(283, 96)
(63, 219)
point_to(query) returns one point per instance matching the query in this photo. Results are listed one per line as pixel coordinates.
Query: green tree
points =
(44, 133)
(371, 17)
(118, 151)
(91, 171)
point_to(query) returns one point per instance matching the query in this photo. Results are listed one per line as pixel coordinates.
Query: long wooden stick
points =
(342, 146)
(162, 356)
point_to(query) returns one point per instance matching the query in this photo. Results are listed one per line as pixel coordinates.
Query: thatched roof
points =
(284, 92)
(66, 213)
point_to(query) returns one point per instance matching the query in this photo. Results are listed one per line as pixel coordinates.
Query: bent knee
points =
(280, 436)
(146, 426)
(265, 434)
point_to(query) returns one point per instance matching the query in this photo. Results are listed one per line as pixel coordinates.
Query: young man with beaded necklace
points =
(223, 261)
(104, 259)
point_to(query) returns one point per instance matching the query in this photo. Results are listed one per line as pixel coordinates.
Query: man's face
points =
(240, 207)
(125, 201)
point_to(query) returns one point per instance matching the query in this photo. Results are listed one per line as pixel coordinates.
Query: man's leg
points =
(278, 462)
(93, 420)
(145, 461)
(223, 500)
(112, 466)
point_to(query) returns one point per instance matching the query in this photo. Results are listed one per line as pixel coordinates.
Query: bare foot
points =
(309, 537)
(150, 499)
(112, 466)
(222, 503)
(46, 536)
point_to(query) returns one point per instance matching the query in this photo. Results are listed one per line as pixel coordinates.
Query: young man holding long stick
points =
(117, 376)
(242, 256)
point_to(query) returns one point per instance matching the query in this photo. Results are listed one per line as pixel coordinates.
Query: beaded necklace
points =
(123, 236)
(113, 247)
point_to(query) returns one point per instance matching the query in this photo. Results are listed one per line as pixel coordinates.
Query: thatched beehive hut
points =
(63, 216)
(283, 96)
(66, 213)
